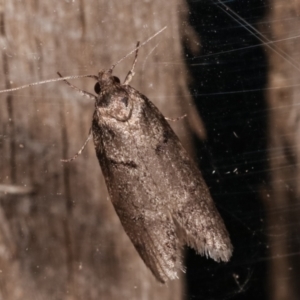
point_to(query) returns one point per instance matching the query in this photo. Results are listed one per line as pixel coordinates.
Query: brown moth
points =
(157, 191)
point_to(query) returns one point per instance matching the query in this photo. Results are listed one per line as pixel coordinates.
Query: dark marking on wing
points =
(130, 164)
(161, 145)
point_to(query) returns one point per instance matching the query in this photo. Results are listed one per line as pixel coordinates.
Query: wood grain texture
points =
(284, 148)
(65, 241)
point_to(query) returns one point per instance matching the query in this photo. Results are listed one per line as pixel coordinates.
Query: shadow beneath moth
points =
(157, 191)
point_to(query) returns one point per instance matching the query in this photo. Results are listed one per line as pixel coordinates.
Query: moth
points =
(156, 189)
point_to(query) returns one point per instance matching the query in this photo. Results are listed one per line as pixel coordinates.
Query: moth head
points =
(113, 100)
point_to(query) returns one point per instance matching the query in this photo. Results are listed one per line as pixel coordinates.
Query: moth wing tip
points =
(221, 254)
(218, 250)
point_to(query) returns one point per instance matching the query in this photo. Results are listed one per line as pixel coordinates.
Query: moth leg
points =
(83, 93)
(81, 149)
(130, 74)
(176, 119)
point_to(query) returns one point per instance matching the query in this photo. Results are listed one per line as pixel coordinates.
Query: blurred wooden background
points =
(282, 199)
(64, 240)
(59, 235)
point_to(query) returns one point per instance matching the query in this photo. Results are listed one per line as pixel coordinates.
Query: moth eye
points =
(125, 101)
(116, 79)
(97, 88)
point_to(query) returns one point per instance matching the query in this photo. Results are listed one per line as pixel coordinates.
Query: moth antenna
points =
(81, 76)
(81, 149)
(176, 119)
(138, 47)
(144, 63)
(82, 92)
(131, 73)
(45, 81)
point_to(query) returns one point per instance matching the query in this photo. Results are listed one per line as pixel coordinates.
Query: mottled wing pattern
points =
(149, 225)
(157, 191)
(153, 235)
(189, 201)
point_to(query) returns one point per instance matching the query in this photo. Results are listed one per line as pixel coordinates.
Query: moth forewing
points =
(156, 189)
